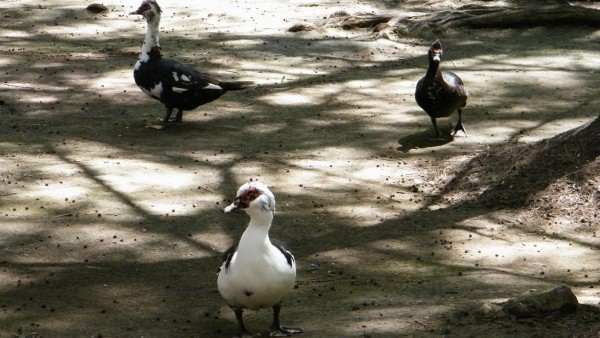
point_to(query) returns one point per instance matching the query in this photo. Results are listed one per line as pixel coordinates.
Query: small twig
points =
(8, 194)
(321, 279)
(205, 188)
(65, 215)
(388, 197)
(418, 322)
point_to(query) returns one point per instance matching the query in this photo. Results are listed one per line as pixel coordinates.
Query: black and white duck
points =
(174, 84)
(441, 93)
(258, 272)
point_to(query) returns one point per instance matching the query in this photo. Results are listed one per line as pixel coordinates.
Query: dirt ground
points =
(110, 229)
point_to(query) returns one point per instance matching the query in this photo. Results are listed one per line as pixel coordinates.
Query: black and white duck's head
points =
(150, 10)
(254, 198)
(436, 52)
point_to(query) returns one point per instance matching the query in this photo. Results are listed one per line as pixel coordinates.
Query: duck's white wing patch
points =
(213, 86)
(138, 64)
(179, 90)
(157, 90)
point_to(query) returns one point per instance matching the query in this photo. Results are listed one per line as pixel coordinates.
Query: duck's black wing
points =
(228, 255)
(284, 250)
(180, 77)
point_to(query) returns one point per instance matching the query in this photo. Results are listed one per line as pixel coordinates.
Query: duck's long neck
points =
(433, 70)
(256, 234)
(151, 46)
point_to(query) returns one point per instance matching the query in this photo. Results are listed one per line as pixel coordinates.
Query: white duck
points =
(257, 273)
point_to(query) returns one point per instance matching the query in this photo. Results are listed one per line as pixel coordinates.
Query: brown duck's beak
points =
(436, 54)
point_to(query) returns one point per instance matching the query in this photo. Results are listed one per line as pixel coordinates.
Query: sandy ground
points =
(110, 229)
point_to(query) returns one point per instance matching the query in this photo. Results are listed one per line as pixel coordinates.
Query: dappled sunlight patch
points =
(265, 128)
(305, 96)
(401, 246)
(61, 192)
(14, 34)
(102, 243)
(345, 256)
(322, 123)
(133, 175)
(90, 30)
(55, 88)
(268, 73)
(291, 99)
(315, 177)
(112, 82)
(361, 215)
(346, 157)
(383, 321)
(41, 99)
(164, 206)
(376, 172)
(252, 170)
(17, 229)
(246, 43)
(363, 86)
(551, 127)
(392, 312)
(489, 246)
(588, 296)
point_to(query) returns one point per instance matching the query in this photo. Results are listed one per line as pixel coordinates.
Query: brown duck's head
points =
(436, 52)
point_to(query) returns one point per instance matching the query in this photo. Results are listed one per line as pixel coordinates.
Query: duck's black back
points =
(182, 87)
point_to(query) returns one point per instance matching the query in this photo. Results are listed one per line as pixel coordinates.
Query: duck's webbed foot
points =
(283, 331)
(167, 120)
(459, 126)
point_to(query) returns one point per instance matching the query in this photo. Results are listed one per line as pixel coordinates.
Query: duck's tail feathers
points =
(236, 85)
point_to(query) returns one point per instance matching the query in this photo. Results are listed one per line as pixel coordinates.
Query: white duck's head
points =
(253, 198)
(150, 10)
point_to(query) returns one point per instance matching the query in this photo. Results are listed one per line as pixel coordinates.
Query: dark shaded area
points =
(513, 176)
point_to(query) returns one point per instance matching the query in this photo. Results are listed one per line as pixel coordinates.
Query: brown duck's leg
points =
(438, 135)
(280, 331)
(459, 126)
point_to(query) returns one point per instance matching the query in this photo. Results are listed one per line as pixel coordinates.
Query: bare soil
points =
(110, 229)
